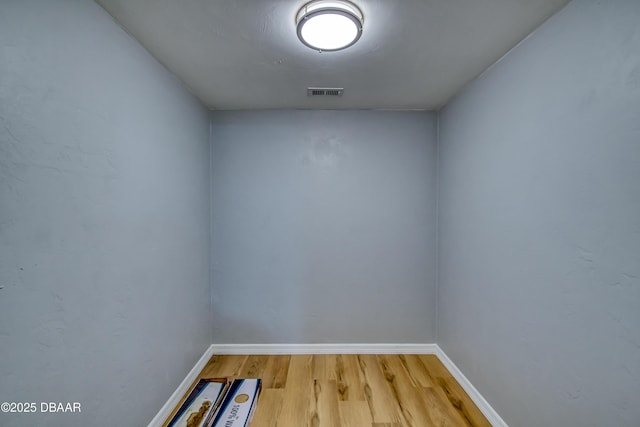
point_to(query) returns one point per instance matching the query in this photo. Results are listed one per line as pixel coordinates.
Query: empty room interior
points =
(434, 222)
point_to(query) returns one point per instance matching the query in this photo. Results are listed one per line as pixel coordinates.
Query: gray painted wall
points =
(104, 219)
(539, 288)
(323, 226)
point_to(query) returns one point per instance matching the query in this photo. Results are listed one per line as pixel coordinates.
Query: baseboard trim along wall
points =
(487, 410)
(184, 386)
(491, 415)
(324, 348)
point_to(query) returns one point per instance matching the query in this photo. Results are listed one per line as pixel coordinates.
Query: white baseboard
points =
(492, 416)
(324, 348)
(193, 374)
(487, 410)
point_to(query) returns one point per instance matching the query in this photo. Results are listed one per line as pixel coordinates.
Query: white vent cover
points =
(325, 91)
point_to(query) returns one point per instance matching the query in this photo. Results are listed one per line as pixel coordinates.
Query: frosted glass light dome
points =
(328, 26)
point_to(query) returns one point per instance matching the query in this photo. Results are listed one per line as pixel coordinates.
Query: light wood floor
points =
(351, 390)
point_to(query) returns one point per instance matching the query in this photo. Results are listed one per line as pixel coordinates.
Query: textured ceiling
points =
(244, 54)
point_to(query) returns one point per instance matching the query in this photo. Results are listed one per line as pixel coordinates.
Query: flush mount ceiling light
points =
(328, 26)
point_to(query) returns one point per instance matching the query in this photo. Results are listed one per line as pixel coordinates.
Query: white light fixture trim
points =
(327, 26)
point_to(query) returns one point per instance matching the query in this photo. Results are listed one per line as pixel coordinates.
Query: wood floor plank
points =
(419, 373)
(434, 366)
(462, 403)
(253, 366)
(276, 371)
(350, 384)
(448, 387)
(409, 397)
(324, 367)
(439, 409)
(268, 410)
(355, 414)
(382, 403)
(298, 397)
(326, 404)
(224, 366)
(351, 390)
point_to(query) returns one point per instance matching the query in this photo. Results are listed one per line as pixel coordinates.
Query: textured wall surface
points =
(323, 226)
(539, 295)
(104, 219)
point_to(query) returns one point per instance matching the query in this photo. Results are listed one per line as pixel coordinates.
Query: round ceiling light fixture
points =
(327, 26)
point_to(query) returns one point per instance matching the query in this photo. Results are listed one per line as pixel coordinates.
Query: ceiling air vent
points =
(325, 91)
